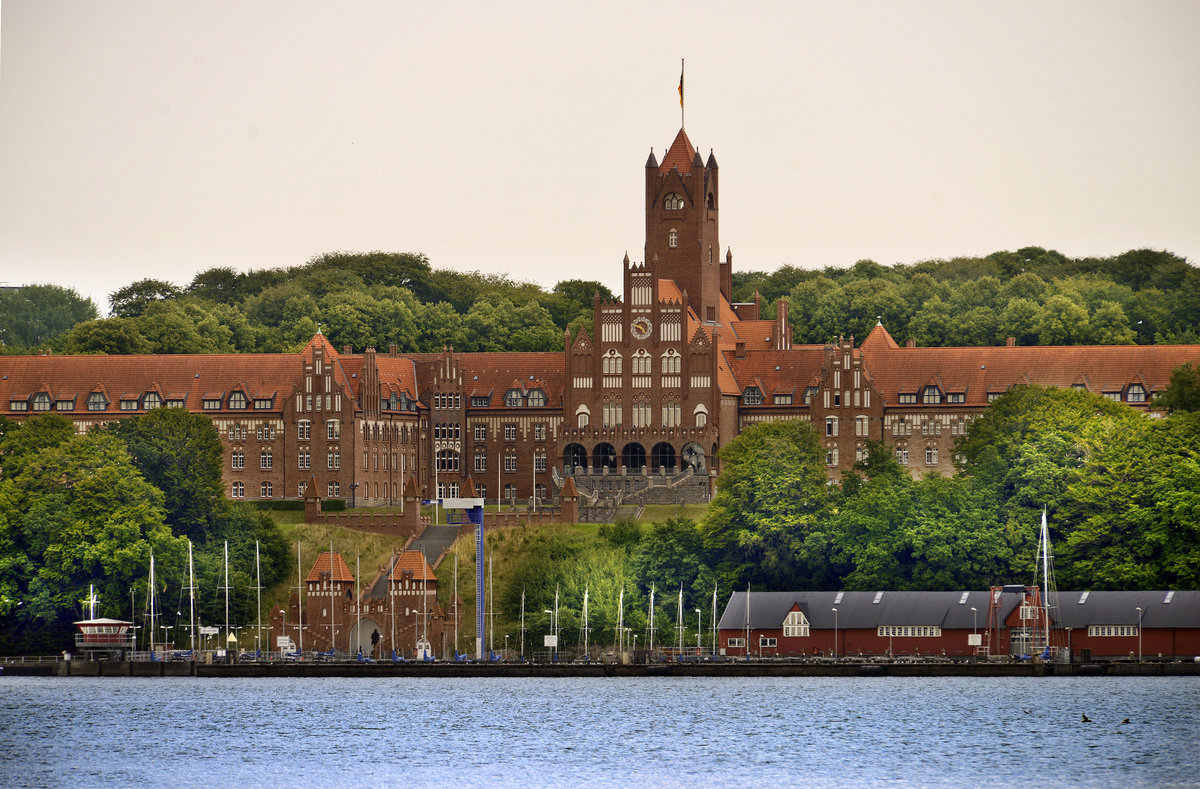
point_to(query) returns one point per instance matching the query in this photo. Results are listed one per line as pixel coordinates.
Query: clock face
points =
(640, 328)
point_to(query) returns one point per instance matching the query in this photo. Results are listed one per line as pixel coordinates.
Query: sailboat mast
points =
(456, 602)
(491, 605)
(226, 593)
(192, 600)
(258, 593)
(151, 596)
(621, 621)
(333, 599)
(299, 599)
(585, 622)
(679, 619)
(651, 639)
(358, 597)
(392, 604)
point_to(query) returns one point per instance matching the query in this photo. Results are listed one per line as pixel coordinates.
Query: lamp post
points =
(1139, 610)
(697, 632)
(353, 487)
(975, 629)
(835, 629)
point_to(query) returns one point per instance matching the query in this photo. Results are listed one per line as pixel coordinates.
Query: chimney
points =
(910, 344)
(1010, 342)
(393, 351)
(740, 349)
(347, 350)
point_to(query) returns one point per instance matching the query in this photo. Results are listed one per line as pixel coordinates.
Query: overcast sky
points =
(151, 138)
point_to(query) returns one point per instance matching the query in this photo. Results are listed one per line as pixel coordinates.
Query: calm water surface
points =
(653, 732)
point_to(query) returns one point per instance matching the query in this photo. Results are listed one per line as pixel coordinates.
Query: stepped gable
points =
(189, 377)
(495, 373)
(413, 562)
(679, 156)
(331, 563)
(779, 372)
(978, 371)
(396, 374)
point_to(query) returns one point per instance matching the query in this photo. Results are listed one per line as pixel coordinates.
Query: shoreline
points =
(81, 668)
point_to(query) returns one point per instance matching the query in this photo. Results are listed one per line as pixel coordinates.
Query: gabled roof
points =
(332, 563)
(1120, 608)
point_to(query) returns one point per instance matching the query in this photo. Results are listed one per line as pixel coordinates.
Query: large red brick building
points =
(634, 411)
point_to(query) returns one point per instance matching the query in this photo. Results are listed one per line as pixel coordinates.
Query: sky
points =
(159, 138)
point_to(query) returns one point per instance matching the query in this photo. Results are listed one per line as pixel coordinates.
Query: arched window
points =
(671, 362)
(701, 415)
(582, 416)
(447, 460)
(612, 413)
(611, 362)
(673, 202)
(641, 362)
(641, 413)
(672, 238)
(670, 413)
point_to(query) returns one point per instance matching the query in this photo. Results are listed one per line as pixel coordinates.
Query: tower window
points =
(672, 238)
(673, 202)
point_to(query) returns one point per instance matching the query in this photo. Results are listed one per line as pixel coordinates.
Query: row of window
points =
(333, 430)
(931, 456)
(754, 396)
(513, 398)
(909, 631)
(449, 460)
(1103, 631)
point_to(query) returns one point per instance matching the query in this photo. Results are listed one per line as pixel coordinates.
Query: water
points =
(651, 732)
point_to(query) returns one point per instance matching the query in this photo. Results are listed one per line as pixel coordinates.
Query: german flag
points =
(681, 86)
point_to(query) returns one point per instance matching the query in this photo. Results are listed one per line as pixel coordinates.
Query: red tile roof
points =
(413, 562)
(796, 367)
(498, 371)
(324, 563)
(679, 156)
(192, 375)
(978, 371)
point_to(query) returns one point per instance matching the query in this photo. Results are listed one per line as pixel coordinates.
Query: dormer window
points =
(1134, 394)
(18, 405)
(129, 405)
(97, 402)
(238, 401)
(752, 396)
(151, 400)
(262, 403)
(931, 396)
(673, 202)
(64, 405)
(41, 402)
(672, 238)
(537, 398)
(809, 394)
(212, 403)
(512, 398)
(480, 401)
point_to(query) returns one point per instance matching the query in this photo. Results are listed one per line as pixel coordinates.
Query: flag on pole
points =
(681, 87)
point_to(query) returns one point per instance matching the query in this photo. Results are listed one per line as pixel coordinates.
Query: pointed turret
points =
(651, 162)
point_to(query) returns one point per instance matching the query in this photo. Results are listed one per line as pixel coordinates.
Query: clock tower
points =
(682, 244)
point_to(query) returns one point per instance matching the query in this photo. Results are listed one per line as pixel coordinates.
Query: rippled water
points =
(600, 732)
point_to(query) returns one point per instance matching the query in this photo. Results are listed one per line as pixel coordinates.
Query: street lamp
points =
(1139, 610)
(353, 487)
(835, 634)
(553, 630)
(697, 632)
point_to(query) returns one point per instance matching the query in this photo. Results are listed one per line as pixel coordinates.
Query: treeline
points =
(1038, 296)
(1121, 493)
(78, 510)
(382, 298)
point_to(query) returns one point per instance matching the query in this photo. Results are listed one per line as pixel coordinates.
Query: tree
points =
(1183, 391)
(34, 314)
(77, 513)
(109, 336)
(1062, 322)
(767, 520)
(133, 299)
(179, 453)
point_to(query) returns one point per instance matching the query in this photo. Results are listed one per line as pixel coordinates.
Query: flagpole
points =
(682, 125)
